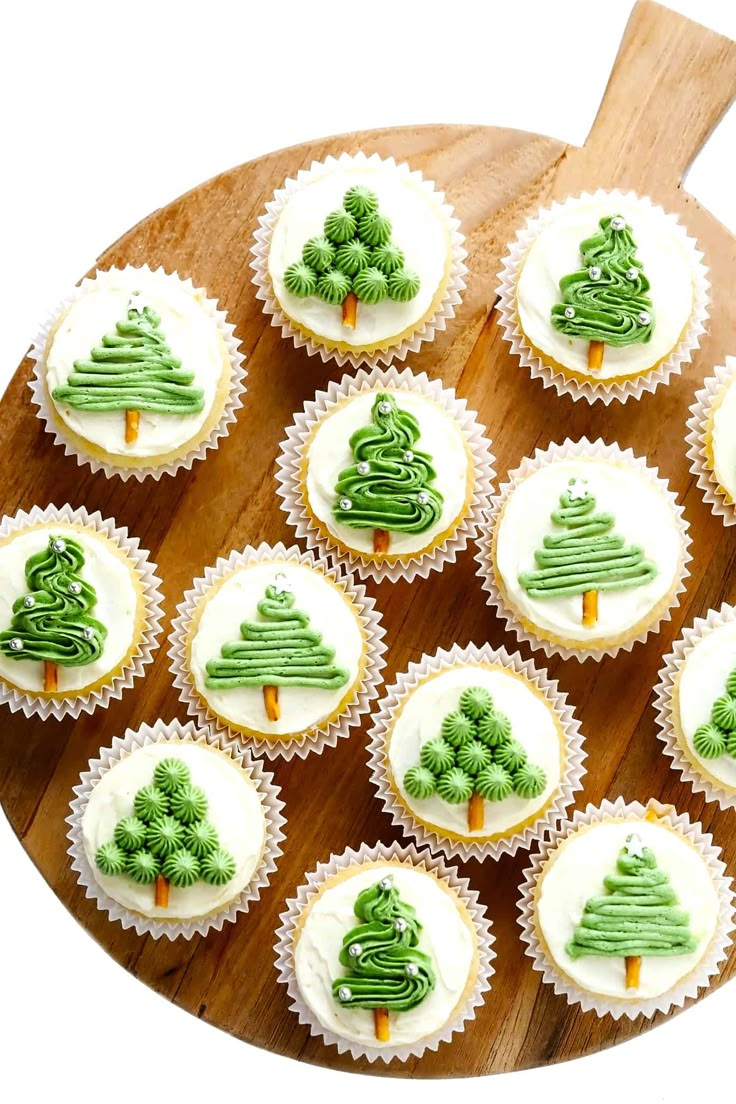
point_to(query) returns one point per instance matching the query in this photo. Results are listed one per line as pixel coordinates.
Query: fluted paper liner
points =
(602, 390)
(121, 748)
(698, 428)
(425, 331)
(712, 957)
(291, 460)
(149, 582)
(570, 450)
(663, 705)
(54, 423)
(412, 857)
(318, 738)
(406, 682)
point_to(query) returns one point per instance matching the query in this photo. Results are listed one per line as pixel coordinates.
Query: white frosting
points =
(110, 575)
(419, 230)
(556, 253)
(329, 454)
(533, 724)
(236, 601)
(234, 808)
(702, 680)
(445, 936)
(724, 440)
(643, 516)
(190, 333)
(576, 873)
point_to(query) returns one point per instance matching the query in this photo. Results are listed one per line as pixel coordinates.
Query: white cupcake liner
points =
(697, 425)
(33, 704)
(262, 244)
(319, 738)
(663, 705)
(307, 891)
(121, 748)
(406, 682)
(55, 425)
(291, 458)
(566, 451)
(699, 976)
(590, 390)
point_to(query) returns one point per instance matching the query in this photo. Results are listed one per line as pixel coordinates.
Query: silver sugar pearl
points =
(408, 456)
(58, 545)
(617, 222)
(363, 467)
(569, 312)
(75, 588)
(385, 883)
(644, 318)
(422, 498)
(29, 601)
(16, 643)
(344, 993)
(87, 633)
(632, 273)
(346, 504)
(354, 950)
(400, 924)
(594, 272)
(411, 970)
(384, 407)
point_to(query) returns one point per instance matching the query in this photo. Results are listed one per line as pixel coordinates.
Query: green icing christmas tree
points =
(718, 736)
(389, 487)
(281, 650)
(606, 302)
(354, 259)
(637, 917)
(586, 557)
(133, 369)
(474, 758)
(167, 840)
(53, 624)
(385, 970)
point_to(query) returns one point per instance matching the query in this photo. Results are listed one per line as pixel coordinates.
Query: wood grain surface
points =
(671, 83)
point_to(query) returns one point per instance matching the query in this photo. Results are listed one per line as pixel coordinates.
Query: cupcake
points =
(603, 296)
(137, 373)
(696, 706)
(475, 752)
(626, 910)
(170, 834)
(276, 650)
(712, 449)
(359, 259)
(386, 472)
(385, 952)
(586, 550)
(79, 611)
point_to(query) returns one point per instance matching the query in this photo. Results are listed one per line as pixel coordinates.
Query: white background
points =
(112, 109)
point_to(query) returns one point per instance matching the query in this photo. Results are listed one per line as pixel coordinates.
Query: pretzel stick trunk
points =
(475, 813)
(380, 540)
(271, 702)
(132, 422)
(50, 677)
(350, 310)
(590, 608)
(162, 891)
(595, 355)
(380, 1024)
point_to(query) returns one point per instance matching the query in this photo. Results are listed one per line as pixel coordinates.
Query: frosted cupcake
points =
(79, 611)
(475, 752)
(603, 296)
(586, 550)
(712, 449)
(386, 472)
(696, 705)
(359, 259)
(385, 952)
(172, 835)
(627, 911)
(138, 373)
(276, 650)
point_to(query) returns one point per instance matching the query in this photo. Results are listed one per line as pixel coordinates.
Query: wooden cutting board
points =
(671, 83)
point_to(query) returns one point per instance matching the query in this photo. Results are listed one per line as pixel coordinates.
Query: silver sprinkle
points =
(385, 883)
(75, 588)
(29, 601)
(422, 498)
(594, 272)
(617, 222)
(408, 456)
(632, 273)
(384, 407)
(87, 633)
(16, 643)
(363, 467)
(400, 924)
(346, 504)
(58, 545)
(569, 312)
(411, 970)
(344, 993)
(644, 318)
(354, 950)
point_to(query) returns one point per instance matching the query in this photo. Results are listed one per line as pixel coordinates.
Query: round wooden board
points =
(671, 83)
